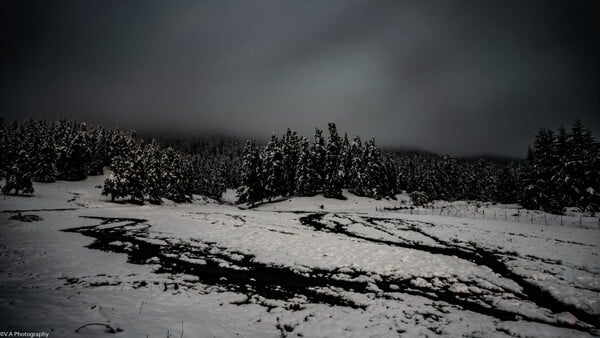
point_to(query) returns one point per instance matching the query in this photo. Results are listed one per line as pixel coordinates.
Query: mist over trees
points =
(562, 168)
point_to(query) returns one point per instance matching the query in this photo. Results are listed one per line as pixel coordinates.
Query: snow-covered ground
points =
(300, 267)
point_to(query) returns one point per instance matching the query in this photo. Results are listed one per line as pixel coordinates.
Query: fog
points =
(460, 77)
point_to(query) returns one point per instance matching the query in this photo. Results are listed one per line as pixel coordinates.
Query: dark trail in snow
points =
(478, 255)
(239, 272)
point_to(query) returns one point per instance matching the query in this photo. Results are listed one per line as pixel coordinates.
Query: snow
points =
(305, 266)
(572, 217)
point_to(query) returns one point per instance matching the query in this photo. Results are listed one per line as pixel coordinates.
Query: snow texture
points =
(305, 266)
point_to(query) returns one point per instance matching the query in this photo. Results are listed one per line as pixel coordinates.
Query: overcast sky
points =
(460, 77)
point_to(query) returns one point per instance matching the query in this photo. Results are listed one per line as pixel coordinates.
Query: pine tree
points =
(115, 184)
(273, 169)
(39, 145)
(136, 175)
(128, 176)
(177, 187)
(580, 169)
(252, 188)
(374, 171)
(305, 171)
(540, 191)
(18, 175)
(318, 153)
(357, 172)
(562, 168)
(507, 186)
(390, 169)
(217, 186)
(153, 185)
(291, 153)
(5, 146)
(73, 159)
(347, 160)
(46, 163)
(594, 178)
(334, 170)
(99, 147)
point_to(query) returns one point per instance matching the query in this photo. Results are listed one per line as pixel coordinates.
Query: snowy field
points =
(308, 267)
(496, 212)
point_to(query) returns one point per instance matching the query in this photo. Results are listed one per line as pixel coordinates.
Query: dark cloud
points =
(461, 77)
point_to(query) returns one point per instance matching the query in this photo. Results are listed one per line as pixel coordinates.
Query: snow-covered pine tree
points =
(136, 175)
(507, 185)
(128, 177)
(45, 170)
(447, 179)
(334, 170)
(217, 178)
(357, 172)
(204, 174)
(318, 153)
(186, 179)
(153, 185)
(273, 169)
(594, 178)
(5, 146)
(38, 144)
(115, 184)
(374, 173)
(252, 188)
(168, 172)
(99, 146)
(540, 190)
(169, 176)
(580, 170)
(562, 170)
(487, 179)
(291, 152)
(18, 175)
(176, 188)
(347, 160)
(305, 171)
(63, 135)
(391, 176)
(74, 158)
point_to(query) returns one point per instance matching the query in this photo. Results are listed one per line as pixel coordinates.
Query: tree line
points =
(142, 169)
(562, 168)
(451, 178)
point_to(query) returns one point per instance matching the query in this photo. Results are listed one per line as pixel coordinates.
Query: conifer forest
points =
(561, 168)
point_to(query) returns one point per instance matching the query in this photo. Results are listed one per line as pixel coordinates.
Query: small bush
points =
(25, 218)
(419, 198)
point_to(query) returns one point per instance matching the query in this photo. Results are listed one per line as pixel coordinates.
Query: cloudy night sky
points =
(459, 77)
